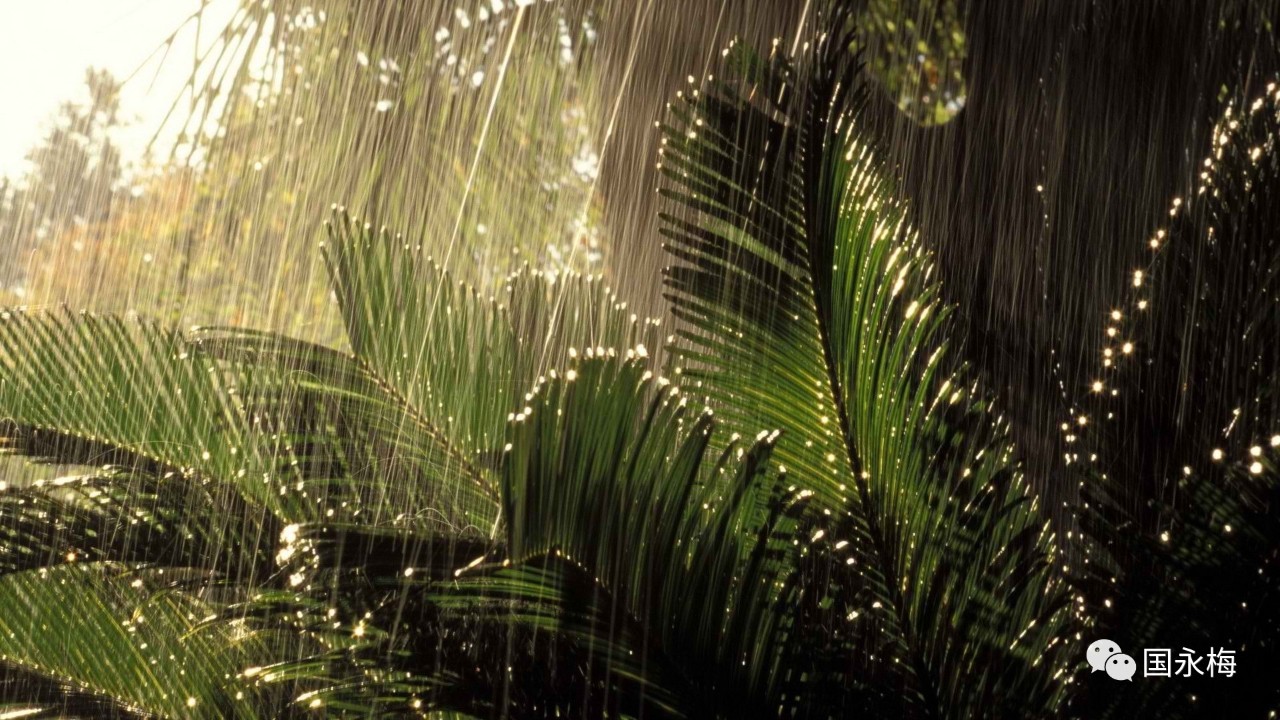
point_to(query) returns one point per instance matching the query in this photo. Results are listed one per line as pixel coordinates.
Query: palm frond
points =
(346, 423)
(1178, 460)
(300, 430)
(809, 306)
(122, 556)
(105, 382)
(123, 635)
(132, 518)
(460, 361)
(25, 694)
(611, 470)
(626, 584)
(319, 438)
(609, 595)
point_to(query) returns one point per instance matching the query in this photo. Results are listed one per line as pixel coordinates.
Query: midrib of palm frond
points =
(345, 375)
(825, 176)
(813, 234)
(809, 307)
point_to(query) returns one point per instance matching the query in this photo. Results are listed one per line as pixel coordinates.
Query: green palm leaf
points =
(94, 390)
(609, 596)
(255, 423)
(132, 518)
(346, 424)
(78, 386)
(619, 481)
(113, 565)
(460, 361)
(809, 307)
(122, 635)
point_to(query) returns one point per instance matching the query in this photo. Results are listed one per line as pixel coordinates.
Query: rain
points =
(647, 359)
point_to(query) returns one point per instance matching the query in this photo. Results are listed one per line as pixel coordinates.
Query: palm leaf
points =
(115, 520)
(32, 695)
(462, 362)
(809, 306)
(316, 436)
(94, 390)
(302, 431)
(122, 635)
(1178, 459)
(346, 423)
(608, 597)
(611, 470)
(131, 518)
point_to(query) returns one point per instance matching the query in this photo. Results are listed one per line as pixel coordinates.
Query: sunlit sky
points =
(46, 45)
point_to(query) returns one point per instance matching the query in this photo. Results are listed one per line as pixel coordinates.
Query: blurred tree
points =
(73, 175)
(491, 169)
(475, 129)
(916, 50)
(493, 130)
(496, 130)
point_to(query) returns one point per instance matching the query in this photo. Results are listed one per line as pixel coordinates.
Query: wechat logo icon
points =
(1106, 656)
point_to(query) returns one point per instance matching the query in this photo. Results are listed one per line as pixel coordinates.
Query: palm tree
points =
(1179, 438)
(797, 502)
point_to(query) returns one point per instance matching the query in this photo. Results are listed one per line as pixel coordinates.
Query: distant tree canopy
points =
(496, 137)
(73, 175)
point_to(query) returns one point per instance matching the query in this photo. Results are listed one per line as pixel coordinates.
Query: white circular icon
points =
(1099, 651)
(1121, 667)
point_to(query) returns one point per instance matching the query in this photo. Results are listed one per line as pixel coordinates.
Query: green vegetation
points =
(491, 489)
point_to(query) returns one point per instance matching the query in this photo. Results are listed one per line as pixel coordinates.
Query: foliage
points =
(917, 50)
(809, 307)
(1178, 440)
(72, 176)
(486, 485)
(517, 498)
